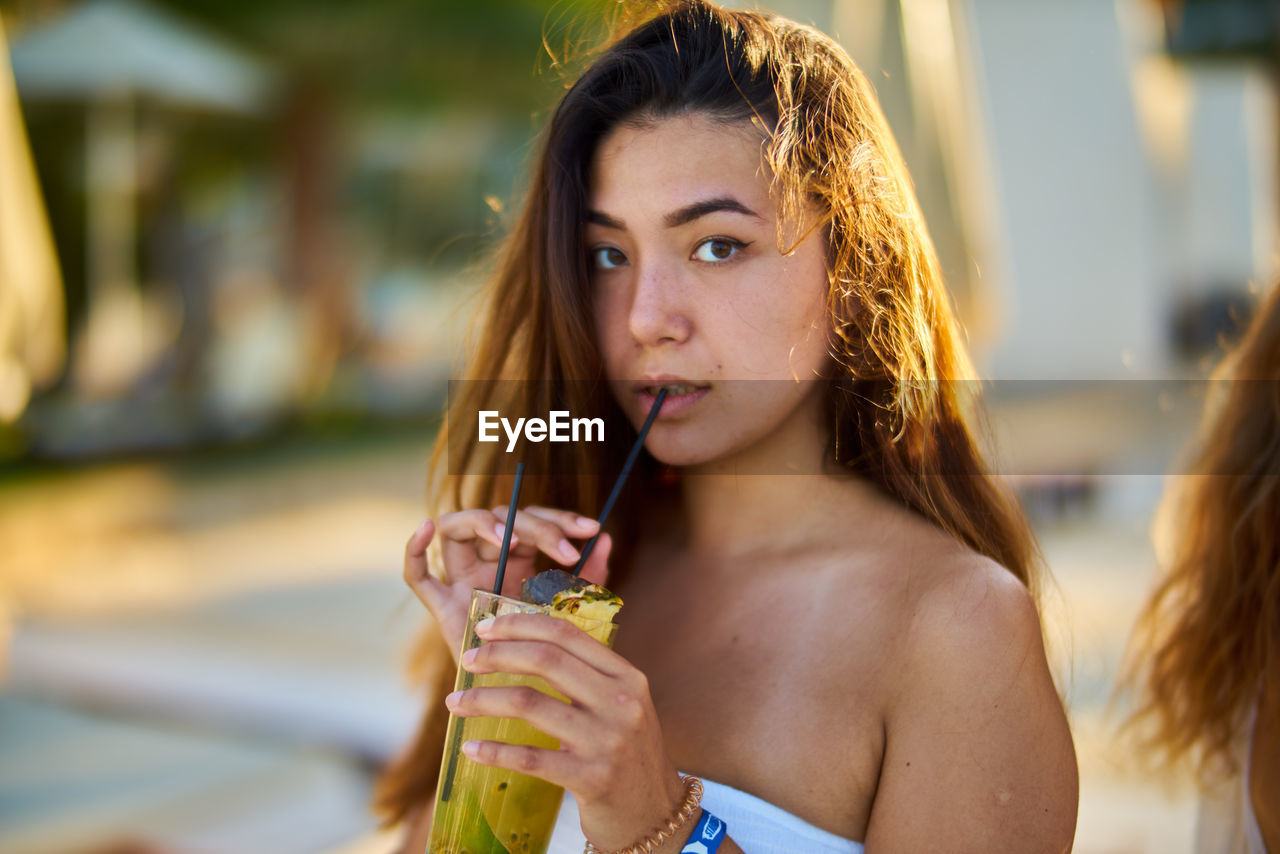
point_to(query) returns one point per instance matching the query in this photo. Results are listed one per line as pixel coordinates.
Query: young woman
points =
(828, 610)
(1206, 653)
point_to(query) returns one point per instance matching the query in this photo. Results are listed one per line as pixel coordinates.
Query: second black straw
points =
(622, 478)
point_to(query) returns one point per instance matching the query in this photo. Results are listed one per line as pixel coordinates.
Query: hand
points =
(471, 541)
(611, 757)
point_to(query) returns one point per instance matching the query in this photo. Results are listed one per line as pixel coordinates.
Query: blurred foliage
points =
(418, 58)
(475, 54)
(478, 54)
(389, 126)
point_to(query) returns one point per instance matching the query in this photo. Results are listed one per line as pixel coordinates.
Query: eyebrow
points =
(684, 215)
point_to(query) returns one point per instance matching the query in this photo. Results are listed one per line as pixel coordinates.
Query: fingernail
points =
(422, 527)
(469, 658)
(567, 550)
(471, 749)
(484, 627)
(588, 523)
(501, 529)
(453, 699)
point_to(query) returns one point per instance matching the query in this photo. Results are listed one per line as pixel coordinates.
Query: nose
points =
(659, 312)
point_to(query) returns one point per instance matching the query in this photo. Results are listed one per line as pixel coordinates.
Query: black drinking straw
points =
(468, 678)
(622, 478)
(507, 529)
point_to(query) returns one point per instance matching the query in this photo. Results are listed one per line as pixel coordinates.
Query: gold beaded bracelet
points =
(692, 797)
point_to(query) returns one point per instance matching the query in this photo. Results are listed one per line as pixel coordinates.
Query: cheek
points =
(809, 321)
(789, 317)
(609, 310)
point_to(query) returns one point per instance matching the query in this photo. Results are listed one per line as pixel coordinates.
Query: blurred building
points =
(1099, 208)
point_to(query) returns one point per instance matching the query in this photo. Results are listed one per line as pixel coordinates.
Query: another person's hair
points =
(1210, 634)
(900, 392)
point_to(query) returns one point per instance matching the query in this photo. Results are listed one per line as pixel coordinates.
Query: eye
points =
(607, 257)
(717, 249)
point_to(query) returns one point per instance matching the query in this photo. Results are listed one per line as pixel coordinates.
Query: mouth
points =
(673, 389)
(681, 395)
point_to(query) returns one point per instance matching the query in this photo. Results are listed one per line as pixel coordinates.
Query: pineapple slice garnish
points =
(588, 606)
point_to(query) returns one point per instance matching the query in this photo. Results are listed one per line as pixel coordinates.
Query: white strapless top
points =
(757, 826)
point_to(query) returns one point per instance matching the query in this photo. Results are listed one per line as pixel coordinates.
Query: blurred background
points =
(238, 246)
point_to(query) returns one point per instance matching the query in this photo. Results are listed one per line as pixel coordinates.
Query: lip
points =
(674, 404)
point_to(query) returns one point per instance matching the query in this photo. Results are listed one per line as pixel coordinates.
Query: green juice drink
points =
(484, 810)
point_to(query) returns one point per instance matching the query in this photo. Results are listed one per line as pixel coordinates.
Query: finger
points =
(555, 717)
(520, 565)
(430, 590)
(467, 525)
(433, 593)
(554, 633)
(560, 767)
(415, 552)
(564, 671)
(596, 569)
(573, 524)
(421, 538)
(489, 552)
(548, 536)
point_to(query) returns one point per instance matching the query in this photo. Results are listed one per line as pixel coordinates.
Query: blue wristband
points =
(708, 833)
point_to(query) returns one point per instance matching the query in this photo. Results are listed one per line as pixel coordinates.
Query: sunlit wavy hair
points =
(1210, 634)
(898, 398)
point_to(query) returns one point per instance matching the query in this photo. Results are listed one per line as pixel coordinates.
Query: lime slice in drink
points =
(464, 811)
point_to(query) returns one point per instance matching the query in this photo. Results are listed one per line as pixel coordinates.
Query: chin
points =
(689, 448)
(682, 457)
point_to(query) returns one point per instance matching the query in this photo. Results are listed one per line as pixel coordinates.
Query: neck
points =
(729, 515)
(771, 496)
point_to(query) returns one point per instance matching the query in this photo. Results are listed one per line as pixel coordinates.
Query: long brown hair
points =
(1209, 637)
(899, 399)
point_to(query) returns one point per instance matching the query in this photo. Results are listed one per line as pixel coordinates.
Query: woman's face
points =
(691, 292)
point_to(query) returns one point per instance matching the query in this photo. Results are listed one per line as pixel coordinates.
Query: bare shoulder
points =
(970, 611)
(978, 753)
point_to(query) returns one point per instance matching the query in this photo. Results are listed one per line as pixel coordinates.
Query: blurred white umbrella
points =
(108, 47)
(32, 348)
(110, 54)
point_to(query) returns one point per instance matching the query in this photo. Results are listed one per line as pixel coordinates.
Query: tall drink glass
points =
(486, 810)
